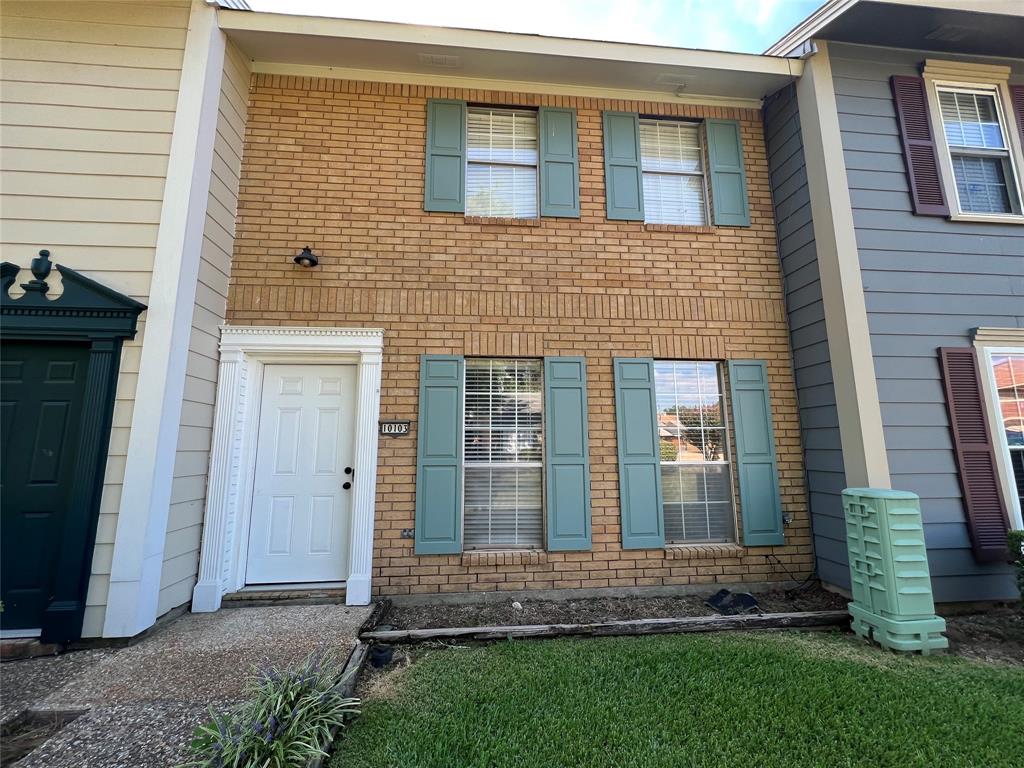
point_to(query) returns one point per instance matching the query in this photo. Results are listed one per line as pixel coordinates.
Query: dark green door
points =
(41, 388)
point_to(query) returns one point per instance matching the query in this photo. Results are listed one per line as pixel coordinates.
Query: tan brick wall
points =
(338, 165)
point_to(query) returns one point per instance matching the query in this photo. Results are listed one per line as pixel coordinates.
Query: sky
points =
(721, 25)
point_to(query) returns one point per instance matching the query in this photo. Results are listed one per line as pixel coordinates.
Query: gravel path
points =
(143, 702)
(25, 682)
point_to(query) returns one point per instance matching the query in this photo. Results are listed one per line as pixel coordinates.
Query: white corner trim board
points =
(842, 290)
(139, 541)
(244, 352)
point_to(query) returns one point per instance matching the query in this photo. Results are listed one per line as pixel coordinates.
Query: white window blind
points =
(695, 476)
(503, 454)
(673, 172)
(501, 168)
(978, 151)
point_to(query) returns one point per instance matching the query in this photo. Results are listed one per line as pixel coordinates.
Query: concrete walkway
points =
(143, 702)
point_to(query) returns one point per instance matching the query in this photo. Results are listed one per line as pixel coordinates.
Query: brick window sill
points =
(505, 557)
(687, 228)
(702, 551)
(502, 222)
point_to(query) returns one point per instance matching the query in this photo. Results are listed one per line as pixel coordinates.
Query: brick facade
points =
(338, 165)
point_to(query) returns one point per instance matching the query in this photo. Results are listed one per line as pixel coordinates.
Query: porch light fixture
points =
(306, 258)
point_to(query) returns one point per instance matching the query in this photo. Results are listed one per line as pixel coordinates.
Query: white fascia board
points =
(809, 27)
(508, 42)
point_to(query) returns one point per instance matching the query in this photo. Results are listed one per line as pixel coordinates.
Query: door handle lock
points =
(348, 471)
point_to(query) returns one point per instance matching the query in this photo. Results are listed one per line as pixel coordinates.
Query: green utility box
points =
(892, 590)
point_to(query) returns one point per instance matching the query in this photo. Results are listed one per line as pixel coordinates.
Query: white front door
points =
(301, 513)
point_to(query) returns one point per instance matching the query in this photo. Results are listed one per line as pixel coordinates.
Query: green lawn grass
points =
(758, 700)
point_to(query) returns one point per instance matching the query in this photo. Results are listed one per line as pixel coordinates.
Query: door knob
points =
(346, 485)
(348, 470)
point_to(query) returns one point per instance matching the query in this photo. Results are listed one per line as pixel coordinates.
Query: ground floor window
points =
(695, 474)
(1008, 373)
(503, 460)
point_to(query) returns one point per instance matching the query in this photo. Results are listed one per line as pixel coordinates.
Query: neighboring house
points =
(904, 268)
(122, 126)
(539, 339)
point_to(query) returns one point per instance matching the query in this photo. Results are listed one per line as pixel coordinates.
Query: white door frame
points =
(244, 350)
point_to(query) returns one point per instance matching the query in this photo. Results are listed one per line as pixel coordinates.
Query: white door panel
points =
(301, 514)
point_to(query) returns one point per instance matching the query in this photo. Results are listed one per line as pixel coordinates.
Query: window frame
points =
(470, 106)
(727, 450)
(1006, 154)
(955, 76)
(993, 412)
(703, 173)
(541, 546)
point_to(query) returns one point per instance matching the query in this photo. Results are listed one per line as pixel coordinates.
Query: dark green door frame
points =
(102, 318)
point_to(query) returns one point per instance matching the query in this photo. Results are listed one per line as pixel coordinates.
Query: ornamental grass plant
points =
(289, 717)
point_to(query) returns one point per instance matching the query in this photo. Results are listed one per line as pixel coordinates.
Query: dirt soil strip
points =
(592, 610)
(803, 620)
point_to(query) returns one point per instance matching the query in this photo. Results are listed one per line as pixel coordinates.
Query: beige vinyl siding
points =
(86, 114)
(188, 492)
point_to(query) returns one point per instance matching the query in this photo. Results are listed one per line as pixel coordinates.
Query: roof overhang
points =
(389, 52)
(982, 27)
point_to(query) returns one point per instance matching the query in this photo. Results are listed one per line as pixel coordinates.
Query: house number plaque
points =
(395, 428)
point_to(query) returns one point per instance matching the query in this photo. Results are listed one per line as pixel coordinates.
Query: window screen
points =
(978, 152)
(501, 172)
(504, 454)
(695, 475)
(673, 172)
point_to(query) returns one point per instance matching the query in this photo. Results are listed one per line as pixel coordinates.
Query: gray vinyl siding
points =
(927, 283)
(819, 422)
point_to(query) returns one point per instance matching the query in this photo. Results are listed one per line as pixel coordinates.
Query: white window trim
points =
(990, 80)
(1006, 480)
(702, 139)
(244, 351)
(465, 170)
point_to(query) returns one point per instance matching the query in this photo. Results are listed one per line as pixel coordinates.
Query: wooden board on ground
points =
(802, 620)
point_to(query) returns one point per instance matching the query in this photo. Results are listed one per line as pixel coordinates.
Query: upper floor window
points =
(501, 163)
(979, 152)
(672, 161)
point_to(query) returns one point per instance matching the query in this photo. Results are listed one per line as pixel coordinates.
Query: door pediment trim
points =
(244, 352)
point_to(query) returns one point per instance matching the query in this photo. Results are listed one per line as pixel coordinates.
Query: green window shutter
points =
(559, 163)
(444, 187)
(760, 503)
(439, 456)
(623, 179)
(636, 422)
(567, 457)
(728, 178)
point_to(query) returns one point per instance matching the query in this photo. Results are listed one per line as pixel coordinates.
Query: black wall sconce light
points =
(306, 258)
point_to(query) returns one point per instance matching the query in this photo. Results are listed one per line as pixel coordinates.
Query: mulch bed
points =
(596, 609)
(996, 636)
